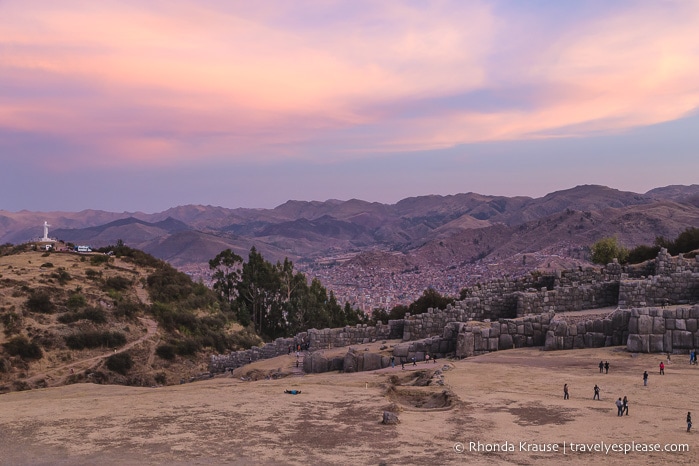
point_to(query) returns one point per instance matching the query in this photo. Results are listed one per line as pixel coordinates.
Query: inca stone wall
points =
(592, 333)
(473, 338)
(657, 330)
(516, 304)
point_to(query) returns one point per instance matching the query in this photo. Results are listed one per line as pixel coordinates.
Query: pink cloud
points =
(194, 80)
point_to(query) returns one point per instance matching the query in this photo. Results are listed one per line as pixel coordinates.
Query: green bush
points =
(606, 250)
(76, 301)
(40, 301)
(188, 347)
(20, 346)
(166, 351)
(94, 314)
(95, 339)
(117, 283)
(120, 363)
(92, 274)
(99, 259)
(126, 309)
(642, 253)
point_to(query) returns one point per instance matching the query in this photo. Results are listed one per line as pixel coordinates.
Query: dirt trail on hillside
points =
(54, 377)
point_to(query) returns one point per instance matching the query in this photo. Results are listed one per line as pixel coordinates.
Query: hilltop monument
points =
(45, 238)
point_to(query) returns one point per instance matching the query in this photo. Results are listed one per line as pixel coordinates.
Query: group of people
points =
(623, 404)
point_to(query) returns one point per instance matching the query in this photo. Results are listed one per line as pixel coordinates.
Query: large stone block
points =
(464, 345)
(680, 324)
(561, 329)
(633, 325)
(656, 343)
(658, 325)
(667, 341)
(682, 339)
(637, 343)
(505, 342)
(550, 343)
(645, 324)
(691, 325)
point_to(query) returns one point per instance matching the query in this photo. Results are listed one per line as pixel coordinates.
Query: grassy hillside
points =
(126, 318)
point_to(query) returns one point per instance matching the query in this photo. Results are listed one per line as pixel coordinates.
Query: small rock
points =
(390, 418)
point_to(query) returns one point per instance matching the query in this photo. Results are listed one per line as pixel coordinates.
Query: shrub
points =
(76, 301)
(117, 283)
(62, 276)
(20, 346)
(166, 351)
(11, 321)
(94, 314)
(92, 274)
(40, 301)
(84, 340)
(99, 259)
(46, 265)
(642, 253)
(188, 347)
(126, 309)
(606, 250)
(120, 363)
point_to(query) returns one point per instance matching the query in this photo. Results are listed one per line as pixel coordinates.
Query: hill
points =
(127, 319)
(444, 241)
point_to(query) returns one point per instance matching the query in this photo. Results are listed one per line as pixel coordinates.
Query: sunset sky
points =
(141, 106)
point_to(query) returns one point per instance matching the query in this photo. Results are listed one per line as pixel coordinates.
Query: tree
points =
(430, 299)
(226, 266)
(256, 287)
(607, 249)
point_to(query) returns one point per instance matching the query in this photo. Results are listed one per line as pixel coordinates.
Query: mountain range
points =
(443, 232)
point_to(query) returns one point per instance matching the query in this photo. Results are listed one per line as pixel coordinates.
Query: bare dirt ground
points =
(511, 396)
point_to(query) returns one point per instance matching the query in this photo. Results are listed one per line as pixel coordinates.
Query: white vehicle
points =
(83, 248)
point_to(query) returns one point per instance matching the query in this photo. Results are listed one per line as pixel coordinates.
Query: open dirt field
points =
(510, 396)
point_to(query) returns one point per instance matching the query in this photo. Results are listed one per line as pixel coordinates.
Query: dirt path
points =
(83, 364)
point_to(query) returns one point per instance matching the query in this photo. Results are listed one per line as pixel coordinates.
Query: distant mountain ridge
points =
(432, 229)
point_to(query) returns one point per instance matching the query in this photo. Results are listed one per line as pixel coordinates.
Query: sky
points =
(124, 105)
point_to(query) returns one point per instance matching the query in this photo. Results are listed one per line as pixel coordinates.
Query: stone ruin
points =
(504, 314)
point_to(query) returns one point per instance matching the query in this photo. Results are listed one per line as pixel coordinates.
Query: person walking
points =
(601, 367)
(606, 367)
(619, 407)
(662, 368)
(689, 421)
(566, 396)
(625, 406)
(645, 378)
(596, 396)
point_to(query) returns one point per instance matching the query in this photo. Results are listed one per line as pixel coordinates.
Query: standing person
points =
(625, 406)
(689, 421)
(427, 358)
(645, 378)
(402, 363)
(414, 361)
(662, 368)
(606, 367)
(393, 362)
(619, 407)
(601, 367)
(565, 392)
(596, 393)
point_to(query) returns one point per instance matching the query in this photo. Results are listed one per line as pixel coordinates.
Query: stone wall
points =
(676, 282)
(592, 333)
(657, 330)
(473, 338)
